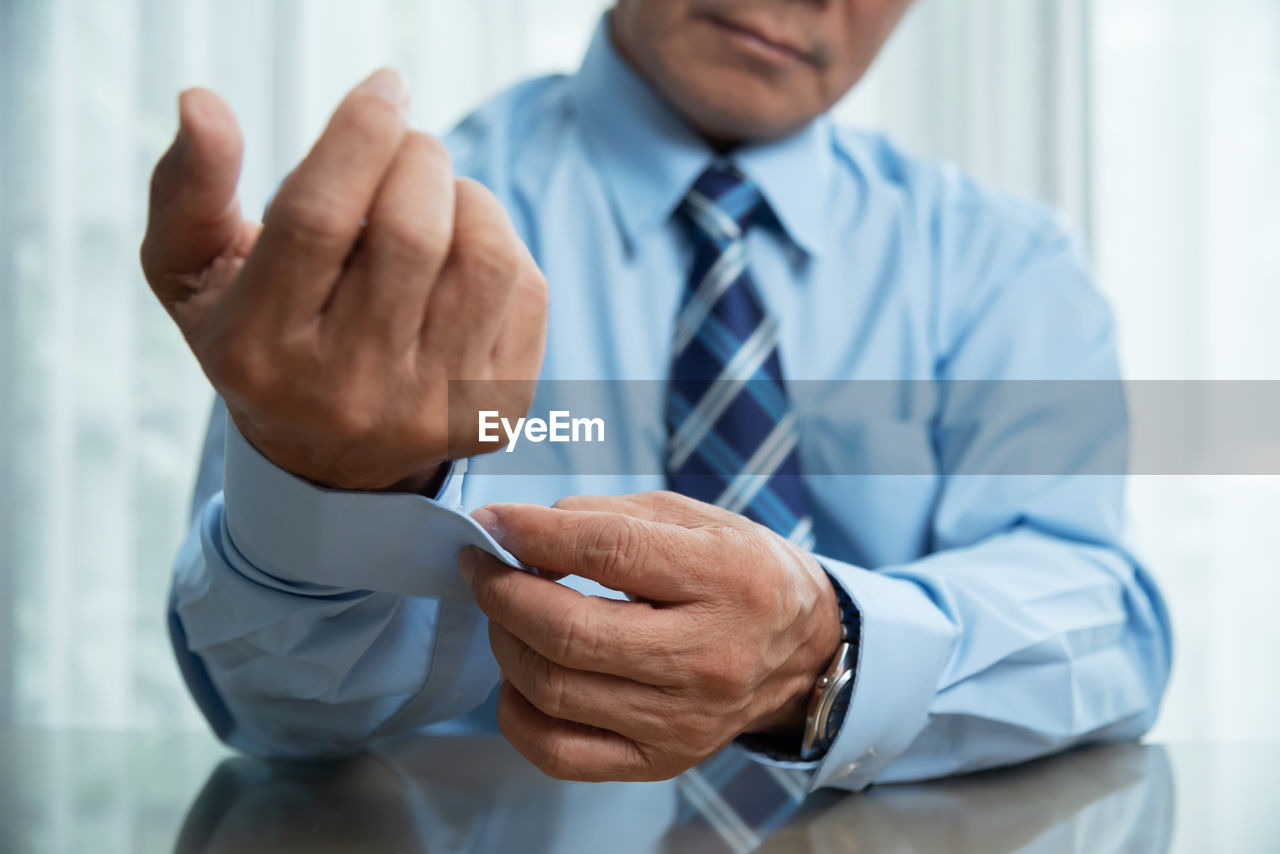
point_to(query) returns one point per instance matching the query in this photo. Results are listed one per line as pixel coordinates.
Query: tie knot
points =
(722, 203)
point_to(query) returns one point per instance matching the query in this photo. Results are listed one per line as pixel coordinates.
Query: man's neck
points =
(719, 144)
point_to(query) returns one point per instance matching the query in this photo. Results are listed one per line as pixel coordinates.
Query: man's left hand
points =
(728, 630)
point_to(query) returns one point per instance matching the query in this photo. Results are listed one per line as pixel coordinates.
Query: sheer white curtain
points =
(1151, 123)
(102, 407)
(1186, 105)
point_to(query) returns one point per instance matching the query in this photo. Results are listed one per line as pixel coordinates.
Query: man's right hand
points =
(332, 330)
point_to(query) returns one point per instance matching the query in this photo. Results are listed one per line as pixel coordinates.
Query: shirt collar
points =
(649, 157)
(796, 175)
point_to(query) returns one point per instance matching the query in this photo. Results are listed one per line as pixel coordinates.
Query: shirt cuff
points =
(307, 536)
(906, 642)
(787, 748)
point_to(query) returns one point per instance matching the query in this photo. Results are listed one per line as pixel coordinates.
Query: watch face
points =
(839, 708)
(829, 702)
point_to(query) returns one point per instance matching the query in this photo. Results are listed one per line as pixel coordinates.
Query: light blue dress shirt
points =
(1002, 617)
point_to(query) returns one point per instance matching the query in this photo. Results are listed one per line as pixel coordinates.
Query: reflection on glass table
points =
(476, 794)
(72, 791)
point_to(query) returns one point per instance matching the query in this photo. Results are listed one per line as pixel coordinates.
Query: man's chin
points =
(728, 126)
(739, 108)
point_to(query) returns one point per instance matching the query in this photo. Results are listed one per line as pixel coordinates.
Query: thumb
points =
(194, 212)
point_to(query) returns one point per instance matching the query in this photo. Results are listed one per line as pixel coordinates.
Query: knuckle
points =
(408, 243)
(485, 244)
(544, 748)
(488, 593)
(310, 224)
(718, 672)
(533, 292)
(426, 147)
(369, 119)
(702, 734)
(767, 590)
(149, 254)
(166, 178)
(651, 766)
(553, 690)
(504, 590)
(472, 196)
(676, 501)
(349, 416)
(485, 259)
(705, 672)
(574, 502)
(614, 544)
(409, 234)
(573, 636)
(243, 369)
(553, 758)
(759, 598)
(717, 538)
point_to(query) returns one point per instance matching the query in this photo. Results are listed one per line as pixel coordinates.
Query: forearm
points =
(996, 653)
(304, 671)
(308, 622)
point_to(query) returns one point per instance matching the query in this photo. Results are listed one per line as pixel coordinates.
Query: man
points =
(700, 222)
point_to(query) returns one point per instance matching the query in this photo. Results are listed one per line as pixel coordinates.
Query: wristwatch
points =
(831, 695)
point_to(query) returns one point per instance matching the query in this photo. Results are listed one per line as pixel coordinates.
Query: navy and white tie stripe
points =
(732, 439)
(730, 805)
(732, 433)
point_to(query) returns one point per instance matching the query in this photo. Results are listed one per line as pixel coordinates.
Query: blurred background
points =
(1153, 124)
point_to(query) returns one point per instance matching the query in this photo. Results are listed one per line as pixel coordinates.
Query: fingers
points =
(486, 263)
(567, 750)
(404, 246)
(645, 558)
(194, 213)
(576, 631)
(658, 506)
(522, 338)
(316, 218)
(621, 705)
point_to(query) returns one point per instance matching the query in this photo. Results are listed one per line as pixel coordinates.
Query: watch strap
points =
(838, 706)
(786, 749)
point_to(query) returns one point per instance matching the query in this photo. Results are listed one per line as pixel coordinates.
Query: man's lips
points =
(761, 41)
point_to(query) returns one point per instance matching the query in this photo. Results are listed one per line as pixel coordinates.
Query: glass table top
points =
(182, 792)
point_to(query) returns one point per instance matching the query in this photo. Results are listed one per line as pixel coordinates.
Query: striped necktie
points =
(731, 431)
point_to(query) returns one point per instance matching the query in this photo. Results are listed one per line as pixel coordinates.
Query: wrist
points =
(304, 458)
(426, 484)
(813, 656)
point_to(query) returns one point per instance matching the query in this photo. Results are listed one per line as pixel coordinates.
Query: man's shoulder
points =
(973, 242)
(940, 196)
(519, 122)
